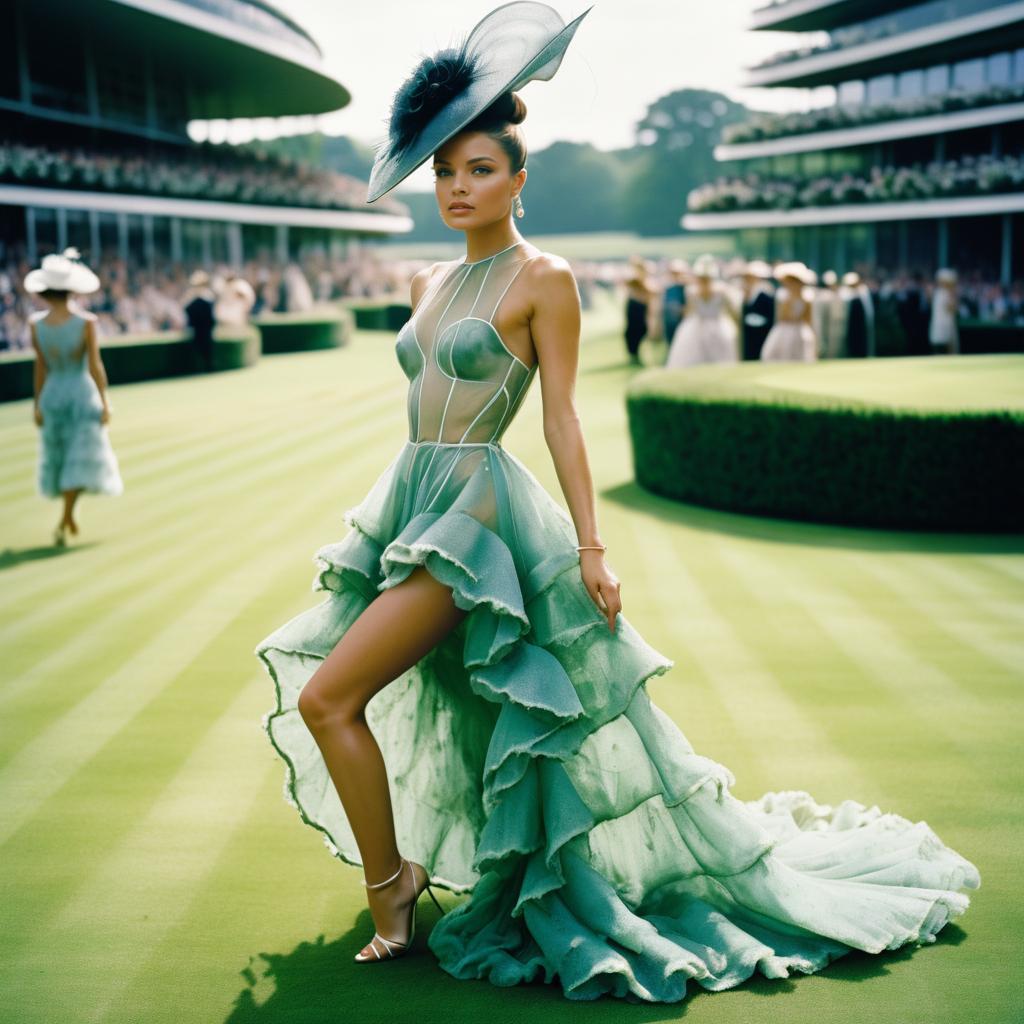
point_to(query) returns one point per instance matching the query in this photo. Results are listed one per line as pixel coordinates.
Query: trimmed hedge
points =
(327, 327)
(131, 357)
(806, 456)
(383, 315)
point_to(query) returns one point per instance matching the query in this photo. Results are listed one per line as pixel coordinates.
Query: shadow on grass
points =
(317, 983)
(9, 557)
(822, 535)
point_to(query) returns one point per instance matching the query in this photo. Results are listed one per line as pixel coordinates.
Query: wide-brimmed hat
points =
(705, 266)
(796, 269)
(945, 275)
(757, 268)
(62, 272)
(514, 44)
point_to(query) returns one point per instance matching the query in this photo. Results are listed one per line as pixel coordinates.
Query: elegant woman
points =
(943, 330)
(792, 338)
(708, 332)
(71, 406)
(469, 696)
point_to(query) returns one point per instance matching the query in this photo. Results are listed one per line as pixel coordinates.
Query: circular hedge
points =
(922, 443)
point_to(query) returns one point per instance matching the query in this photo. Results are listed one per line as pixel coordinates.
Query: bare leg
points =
(397, 629)
(70, 497)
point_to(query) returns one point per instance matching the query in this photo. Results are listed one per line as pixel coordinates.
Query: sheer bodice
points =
(465, 385)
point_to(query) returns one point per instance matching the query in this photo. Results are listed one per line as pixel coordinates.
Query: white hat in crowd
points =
(851, 279)
(64, 273)
(945, 275)
(796, 269)
(705, 266)
(830, 279)
(757, 268)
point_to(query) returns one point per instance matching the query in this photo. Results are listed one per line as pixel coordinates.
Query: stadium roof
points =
(244, 57)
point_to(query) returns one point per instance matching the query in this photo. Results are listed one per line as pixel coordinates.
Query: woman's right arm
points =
(38, 376)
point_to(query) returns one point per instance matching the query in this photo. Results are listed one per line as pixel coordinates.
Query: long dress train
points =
(527, 764)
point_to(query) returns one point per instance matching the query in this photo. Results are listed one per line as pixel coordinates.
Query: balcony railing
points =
(969, 176)
(835, 118)
(885, 26)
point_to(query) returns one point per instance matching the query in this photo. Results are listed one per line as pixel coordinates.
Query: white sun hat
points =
(705, 266)
(62, 272)
(796, 269)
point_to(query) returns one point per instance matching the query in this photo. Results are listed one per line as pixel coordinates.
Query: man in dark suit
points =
(674, 298)
(758, 313)
(198, 304)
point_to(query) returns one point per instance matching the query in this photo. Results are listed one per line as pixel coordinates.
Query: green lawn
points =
(152, 871)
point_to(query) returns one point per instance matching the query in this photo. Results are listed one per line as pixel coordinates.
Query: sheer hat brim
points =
(514, 44)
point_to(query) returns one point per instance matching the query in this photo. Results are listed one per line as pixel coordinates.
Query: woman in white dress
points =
(708, 332)
(943, 332)
(792, 338)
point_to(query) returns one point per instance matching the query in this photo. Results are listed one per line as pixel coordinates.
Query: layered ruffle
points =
(529, 766)
(75, 450)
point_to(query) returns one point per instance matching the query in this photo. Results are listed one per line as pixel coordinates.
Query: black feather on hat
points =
(431, 86)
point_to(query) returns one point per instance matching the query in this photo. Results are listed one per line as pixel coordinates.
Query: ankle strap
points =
(380, 885)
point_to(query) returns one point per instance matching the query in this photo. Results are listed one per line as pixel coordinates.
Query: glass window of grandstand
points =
(57, 72)
(975, 245)
(881, 89)
(969, 75)
(974, 142)
(910, 84)
(849, 161)
(813, 165)
(850, 94)
(999, 69)
(753, 243)
(77, 232)
(194, 247)
(936, 80)
(1011, 138)
(10, 72)
(109, 235)
(919, 149)
(1018, 67)
(45, 221)
(786, 166)
(121, 84)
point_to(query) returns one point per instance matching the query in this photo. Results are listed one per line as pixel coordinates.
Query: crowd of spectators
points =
(223, 173)
(135, 299)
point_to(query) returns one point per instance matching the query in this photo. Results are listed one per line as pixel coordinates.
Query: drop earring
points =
(517, 205)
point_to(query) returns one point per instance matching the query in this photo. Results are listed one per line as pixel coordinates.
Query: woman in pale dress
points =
(708, 332)
(792, 338)
(943, 332)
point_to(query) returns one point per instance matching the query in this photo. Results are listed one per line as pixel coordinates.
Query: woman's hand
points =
(105, 414)
(601, 584)
(37, 415)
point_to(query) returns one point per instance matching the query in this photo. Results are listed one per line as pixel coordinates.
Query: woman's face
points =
(473, 181)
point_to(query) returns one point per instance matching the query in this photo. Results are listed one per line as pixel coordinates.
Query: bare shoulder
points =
(422, 278)
(550, 278)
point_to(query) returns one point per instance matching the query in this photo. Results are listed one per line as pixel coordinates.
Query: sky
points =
(624, 55)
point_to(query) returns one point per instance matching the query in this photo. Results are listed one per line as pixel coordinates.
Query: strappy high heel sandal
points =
(392, 947)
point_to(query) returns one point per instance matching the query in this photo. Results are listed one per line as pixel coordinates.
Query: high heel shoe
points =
(60, 535)
(392, 947)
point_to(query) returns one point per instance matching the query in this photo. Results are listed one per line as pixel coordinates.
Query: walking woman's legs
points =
(397, 629)
(70, 497)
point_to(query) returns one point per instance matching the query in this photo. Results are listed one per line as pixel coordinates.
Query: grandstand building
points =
(920, 161)
(95, 96)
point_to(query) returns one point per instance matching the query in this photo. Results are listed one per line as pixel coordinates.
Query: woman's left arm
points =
(96, 367)
(555, 327)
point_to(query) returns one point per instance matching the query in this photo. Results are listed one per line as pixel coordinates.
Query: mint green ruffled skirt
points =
(529, 768)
